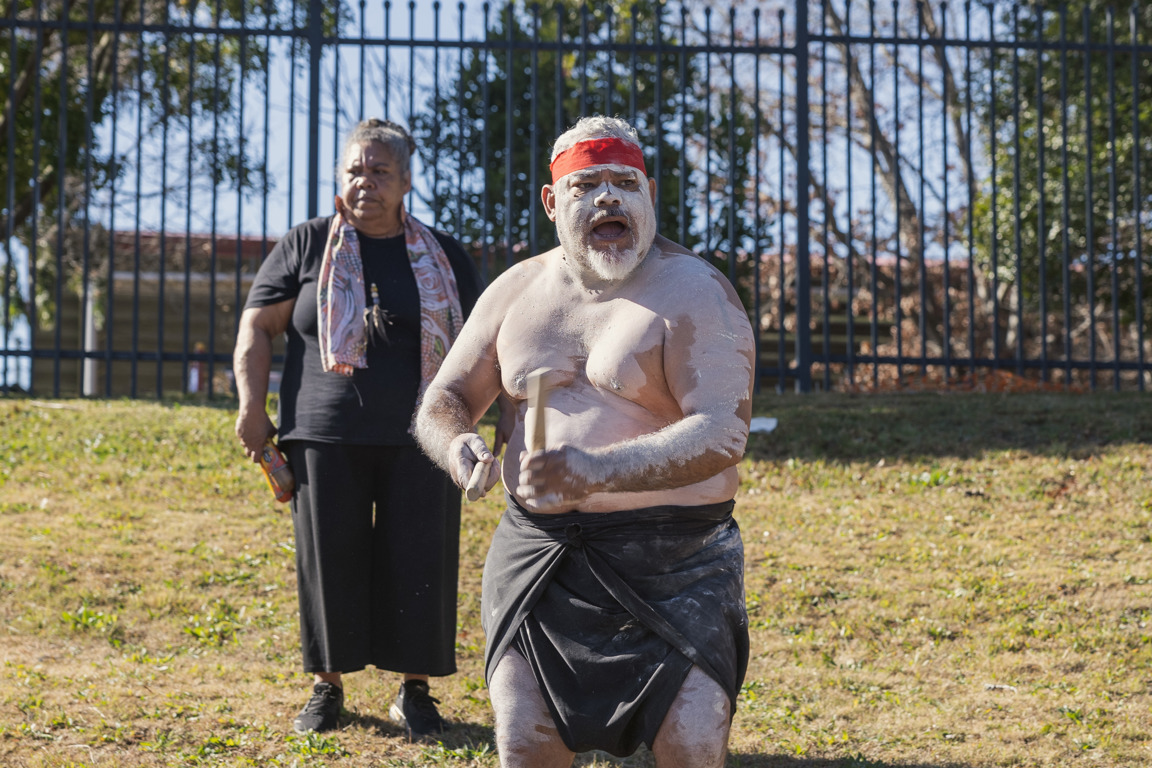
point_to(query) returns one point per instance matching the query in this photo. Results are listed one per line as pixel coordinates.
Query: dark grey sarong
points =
(612, 611)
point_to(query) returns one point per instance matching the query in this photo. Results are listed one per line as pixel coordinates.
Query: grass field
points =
(932, 581)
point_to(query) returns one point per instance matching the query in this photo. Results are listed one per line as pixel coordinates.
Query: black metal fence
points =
(905, 194)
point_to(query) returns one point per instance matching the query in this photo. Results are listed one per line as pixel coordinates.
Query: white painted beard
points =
(614, 263)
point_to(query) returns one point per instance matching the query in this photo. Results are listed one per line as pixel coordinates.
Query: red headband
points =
(585, 154)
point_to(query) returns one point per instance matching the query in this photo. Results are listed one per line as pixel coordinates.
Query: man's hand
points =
(555, 480)
(464, 453)
(253, 427)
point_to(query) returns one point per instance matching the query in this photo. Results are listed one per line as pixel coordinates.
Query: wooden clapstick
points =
(537, 402)
(476, 483)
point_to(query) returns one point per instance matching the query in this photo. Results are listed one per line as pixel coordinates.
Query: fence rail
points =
(904, 194)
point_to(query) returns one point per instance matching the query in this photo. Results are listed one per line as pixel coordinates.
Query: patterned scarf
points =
(340, 301)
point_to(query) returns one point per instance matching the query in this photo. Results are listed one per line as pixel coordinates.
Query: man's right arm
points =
(467, 383)
(252, 363)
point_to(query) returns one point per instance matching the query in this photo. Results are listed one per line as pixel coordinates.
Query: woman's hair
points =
(397, 141)
(595, 127)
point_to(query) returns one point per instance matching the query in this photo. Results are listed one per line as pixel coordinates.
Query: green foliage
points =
(488, 124)
(1086, 111)
(69, 79)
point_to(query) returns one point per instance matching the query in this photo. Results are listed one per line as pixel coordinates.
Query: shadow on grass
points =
(459, 736)
(835, 427)
(736, 760)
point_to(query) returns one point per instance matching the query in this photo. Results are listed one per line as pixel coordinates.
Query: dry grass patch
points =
(932, 581)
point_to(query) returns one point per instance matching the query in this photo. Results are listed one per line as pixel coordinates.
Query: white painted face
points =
(604, 218)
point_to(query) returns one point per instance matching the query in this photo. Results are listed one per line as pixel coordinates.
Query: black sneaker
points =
(416, 710)
(322, 711)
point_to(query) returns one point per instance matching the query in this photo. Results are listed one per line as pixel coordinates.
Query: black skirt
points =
(613, 610)
(377, 558)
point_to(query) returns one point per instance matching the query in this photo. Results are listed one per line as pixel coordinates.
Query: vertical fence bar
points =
(994, 154)
(558, 118)
(461, 127)
(709, 251)
(658, 102)
(293, 43)
(87, 303)
(509, 257)
(971, 190)
(758, 247)
(1113, 207)
(732, 149)
(267, 132)
(825, 198)
(1137, 198)
(781, 300)
(315, 54)
(1041, 213)
(238, 254)
(486, 101)
(1017, 234)
(922, 232)
(895, 171)
(682, 205)
(190, 174)
(873, 129)
(1041, 237)
(534, 137)
(61, 153)
(803, 185)
(34, 216)
(411, 116)
(946, 219)
(850, 230)
(583, 59)
(163, 276)
(1065, 203)
(634, 64)
(134, 366)
(213, 247)
(110, 272)
(387, 64)
(363, 55)
(10, 197)
(609, 61)
(1089, 208)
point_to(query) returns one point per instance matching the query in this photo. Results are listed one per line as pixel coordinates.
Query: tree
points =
(71, 72)
(1069, 128)
(511, 99)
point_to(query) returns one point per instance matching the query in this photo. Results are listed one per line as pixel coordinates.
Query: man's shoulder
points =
(673, 262)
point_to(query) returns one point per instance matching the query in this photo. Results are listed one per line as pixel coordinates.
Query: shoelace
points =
(319, 700)
(424, 703)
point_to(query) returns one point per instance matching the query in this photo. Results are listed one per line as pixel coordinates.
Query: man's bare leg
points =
(694, 733)
(526, 735)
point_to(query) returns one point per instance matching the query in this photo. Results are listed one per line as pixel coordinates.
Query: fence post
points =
(803, 257)
(315, 51)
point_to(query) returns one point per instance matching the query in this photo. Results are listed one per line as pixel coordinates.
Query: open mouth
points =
(610, 230)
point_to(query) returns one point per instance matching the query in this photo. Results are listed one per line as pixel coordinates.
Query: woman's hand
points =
(254, 428)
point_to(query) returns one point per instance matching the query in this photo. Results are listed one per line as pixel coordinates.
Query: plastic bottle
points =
(277, 472)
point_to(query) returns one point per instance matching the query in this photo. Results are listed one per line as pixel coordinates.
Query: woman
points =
(370, 300)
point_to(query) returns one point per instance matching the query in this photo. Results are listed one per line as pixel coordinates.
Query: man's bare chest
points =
(616, 347)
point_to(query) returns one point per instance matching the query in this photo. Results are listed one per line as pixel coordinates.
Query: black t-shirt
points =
(374, 406)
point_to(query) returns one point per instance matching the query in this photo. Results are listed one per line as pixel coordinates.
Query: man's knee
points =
(695, 730)
(526, 734)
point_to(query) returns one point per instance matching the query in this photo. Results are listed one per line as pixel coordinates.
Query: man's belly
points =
(588, 418)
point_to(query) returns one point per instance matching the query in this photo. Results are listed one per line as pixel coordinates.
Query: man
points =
(613, 595)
